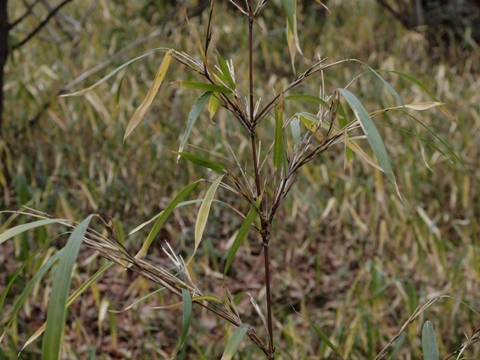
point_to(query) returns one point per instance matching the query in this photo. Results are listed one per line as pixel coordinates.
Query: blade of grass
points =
(429, 342)
(25, 227)
(187, 315)
(325, 339)
(235, 342)
(57, 309)
(70, 300)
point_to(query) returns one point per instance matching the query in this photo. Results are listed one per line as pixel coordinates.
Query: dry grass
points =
(349, 255)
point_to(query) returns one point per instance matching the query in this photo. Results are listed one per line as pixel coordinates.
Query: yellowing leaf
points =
(142, 109)
(203, 213)
(213, 106)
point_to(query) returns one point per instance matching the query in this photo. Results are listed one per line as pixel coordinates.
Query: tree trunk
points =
(4, 28)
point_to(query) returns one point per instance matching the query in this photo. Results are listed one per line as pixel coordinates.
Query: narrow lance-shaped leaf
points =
(242, 232)
(290, 7)
(203, 213)
(201, 161)
(279, 151)
(192, 118)
(161, 219)
(295, 126)
(70, 300)
(180, 204)
(325, 339)
(142, 109)
(443, 108)
(109, 75)
(235, 342)
(203, 86)
(429, 342)
(225, 71)
(57, 309)
(187, 315)
(25, 227)
(399, 99)
(372, 134)
(311, 98)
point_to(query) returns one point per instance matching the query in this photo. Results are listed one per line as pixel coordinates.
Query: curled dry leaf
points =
(142, 109)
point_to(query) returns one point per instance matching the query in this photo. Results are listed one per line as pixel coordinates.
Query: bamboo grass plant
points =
(281, 144)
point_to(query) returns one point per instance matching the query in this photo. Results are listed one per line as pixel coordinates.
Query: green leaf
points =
(225, 71)
(72, 298)
(311, 98)
(57, 309)
(201, 161)
(203, 213)
(187, 315)
(235, 342)
(105, 78)
(289, 7)
(242, 232)
(279, 151)
(117, 94)
(25, 227)
(429, 342)
(295, 126)
(139, 114)
(192, 117)
(372, 134)
(325, 339)
(213, 105)
(164, 214)
(204, 87)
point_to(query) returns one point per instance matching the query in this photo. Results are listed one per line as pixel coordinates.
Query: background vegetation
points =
(348, 253)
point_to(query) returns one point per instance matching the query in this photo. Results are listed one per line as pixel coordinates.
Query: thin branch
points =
(41, 25)
(24, 16)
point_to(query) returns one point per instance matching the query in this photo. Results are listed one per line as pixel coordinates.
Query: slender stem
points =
(250, 59)
(269, 300)
(266, 227)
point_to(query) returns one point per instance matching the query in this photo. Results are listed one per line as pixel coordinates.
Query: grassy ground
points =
(348, 254)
